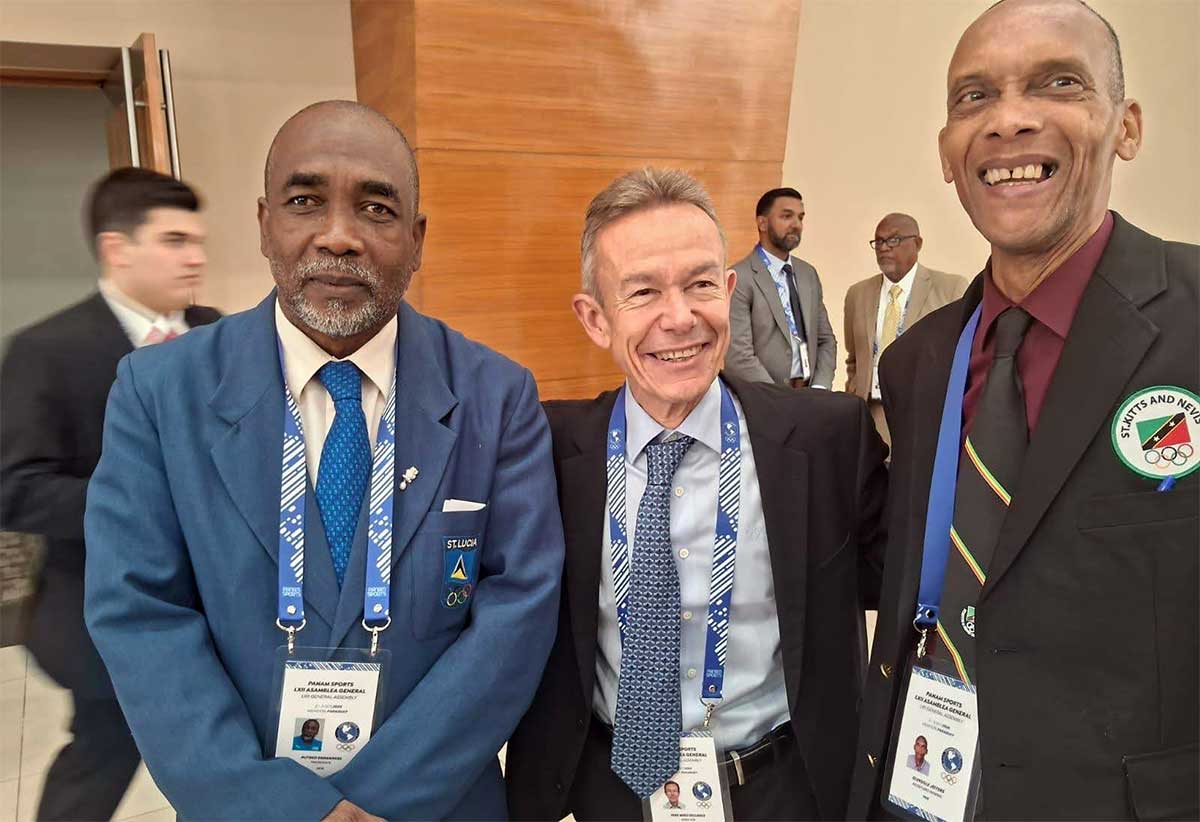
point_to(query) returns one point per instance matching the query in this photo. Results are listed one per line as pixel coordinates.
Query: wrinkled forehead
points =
(1017, 38)
(344, 146)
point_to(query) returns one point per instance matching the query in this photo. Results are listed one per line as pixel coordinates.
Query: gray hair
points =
(635, 191)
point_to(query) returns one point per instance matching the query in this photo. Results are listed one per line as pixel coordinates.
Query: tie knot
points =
(663, 458)
(787, 269)
(894, 293)
(342, 380)
(1010, 331)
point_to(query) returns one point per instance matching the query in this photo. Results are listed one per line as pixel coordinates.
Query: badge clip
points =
(921, 642)
(375, 632)
(709, 709)
(291, 631)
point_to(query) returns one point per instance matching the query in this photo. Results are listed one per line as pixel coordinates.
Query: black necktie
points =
(988, 468)
(794, 298)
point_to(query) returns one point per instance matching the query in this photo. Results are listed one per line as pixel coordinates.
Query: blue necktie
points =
(345, 462)
(645, 751)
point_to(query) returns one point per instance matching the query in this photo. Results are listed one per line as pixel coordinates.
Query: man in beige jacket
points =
(880, 308)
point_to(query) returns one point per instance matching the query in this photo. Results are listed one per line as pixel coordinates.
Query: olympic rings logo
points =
(704, 805)
(342, 747)
(459, 596)
(950, 778)
(1172, 454)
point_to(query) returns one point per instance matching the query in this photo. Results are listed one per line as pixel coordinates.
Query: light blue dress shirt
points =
(755, 695)
(775, 269)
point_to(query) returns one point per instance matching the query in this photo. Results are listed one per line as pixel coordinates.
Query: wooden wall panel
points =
(522, 112)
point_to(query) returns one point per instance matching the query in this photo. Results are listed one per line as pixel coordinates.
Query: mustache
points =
(337, 265)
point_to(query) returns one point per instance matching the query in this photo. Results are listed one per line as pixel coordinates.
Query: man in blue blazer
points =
(184, 527)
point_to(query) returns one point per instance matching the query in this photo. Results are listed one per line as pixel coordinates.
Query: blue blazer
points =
(182, 550)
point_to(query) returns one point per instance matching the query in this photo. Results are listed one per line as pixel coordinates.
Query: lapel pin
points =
(410, 474)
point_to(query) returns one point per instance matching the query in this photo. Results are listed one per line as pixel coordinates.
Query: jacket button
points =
(558, 787)
(579, 723)
(872, 760)
(886, 670)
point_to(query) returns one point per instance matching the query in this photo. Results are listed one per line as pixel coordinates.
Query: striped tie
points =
(988, 468)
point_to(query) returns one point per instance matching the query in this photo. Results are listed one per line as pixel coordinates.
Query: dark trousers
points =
(92, 771)
(779, 791)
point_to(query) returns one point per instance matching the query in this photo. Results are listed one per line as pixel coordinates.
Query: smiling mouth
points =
(1030, 174)
(679, 354)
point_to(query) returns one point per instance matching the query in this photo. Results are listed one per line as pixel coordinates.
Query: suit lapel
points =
(918, 297)
(424, 441)
(1109, 338)
(762, 279)
(584, 485)
(782, 473)
(249, 456)
(107, 332)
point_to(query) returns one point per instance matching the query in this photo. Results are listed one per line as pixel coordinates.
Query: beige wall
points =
(240, 69)
(869, 98)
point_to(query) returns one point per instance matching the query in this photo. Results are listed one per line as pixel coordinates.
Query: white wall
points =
(869, 98)
(240, 69)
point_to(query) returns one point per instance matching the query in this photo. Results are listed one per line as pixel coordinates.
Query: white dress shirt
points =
(303, 358)
(885, 296)
(755, 699)
(136, 319)
(775, 269)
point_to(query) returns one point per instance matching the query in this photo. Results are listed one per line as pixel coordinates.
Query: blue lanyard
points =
(720, 592)
(784, 296)
(292, 491)
(942, 487)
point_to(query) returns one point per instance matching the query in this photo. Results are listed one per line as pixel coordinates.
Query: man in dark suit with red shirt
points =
(1070, 593)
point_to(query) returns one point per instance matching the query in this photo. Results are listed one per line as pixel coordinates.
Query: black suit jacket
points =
(1086, 630)
(54, 384)
(820, 466)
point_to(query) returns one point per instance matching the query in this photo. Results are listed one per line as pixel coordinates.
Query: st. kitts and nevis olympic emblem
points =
(1154, 431)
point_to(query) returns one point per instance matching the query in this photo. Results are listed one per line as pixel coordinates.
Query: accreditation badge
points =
(326, 705)
(933, 768)
(698, 792)
(805, 368)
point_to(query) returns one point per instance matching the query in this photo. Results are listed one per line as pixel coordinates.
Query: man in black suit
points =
(1070, 592)
(148, 237)
(807, 490)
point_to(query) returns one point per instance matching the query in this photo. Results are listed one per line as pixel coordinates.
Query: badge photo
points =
(1155, 431)
(461, 564)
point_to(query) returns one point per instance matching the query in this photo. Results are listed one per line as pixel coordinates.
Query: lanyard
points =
(720, 593)
(292, 495)
(942, 487)
(784, 296)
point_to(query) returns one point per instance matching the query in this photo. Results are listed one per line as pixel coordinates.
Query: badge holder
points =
(326, 702)
(937, 709)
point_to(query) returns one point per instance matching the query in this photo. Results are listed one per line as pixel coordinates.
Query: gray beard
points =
(338, 319)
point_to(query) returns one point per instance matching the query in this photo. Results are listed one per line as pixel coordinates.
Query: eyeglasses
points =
(892, 242)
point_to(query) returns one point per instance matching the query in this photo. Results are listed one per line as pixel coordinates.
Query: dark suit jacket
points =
(821, 474)
(1087, 626)
(53, 387)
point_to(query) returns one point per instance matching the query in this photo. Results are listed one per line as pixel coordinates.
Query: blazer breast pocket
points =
(446, 557)
(1142, 508)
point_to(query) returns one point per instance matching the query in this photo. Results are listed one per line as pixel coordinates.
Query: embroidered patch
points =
(461, 564)
(967, 618)
(1154, 431)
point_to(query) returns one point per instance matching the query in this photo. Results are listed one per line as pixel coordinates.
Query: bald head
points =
(336, 114)
(998, 13)
(903, 223)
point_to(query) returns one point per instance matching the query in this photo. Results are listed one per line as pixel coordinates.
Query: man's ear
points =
(761, 222)
(1129, 142)
(947, 171)
(730, 282)
(112, 249)
(591, 316)
(420, 223)
(264, 211)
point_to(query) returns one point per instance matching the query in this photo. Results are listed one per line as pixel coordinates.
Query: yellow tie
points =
(891, 318)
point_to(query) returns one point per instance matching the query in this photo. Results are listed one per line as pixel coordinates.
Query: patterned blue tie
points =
(645, 751)
(345, 462)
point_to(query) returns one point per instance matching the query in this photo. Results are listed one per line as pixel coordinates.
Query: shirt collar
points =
(1054, 302)
(113, 294)
(303, 358)
(774, 264)
(906, 282)
(702, 425)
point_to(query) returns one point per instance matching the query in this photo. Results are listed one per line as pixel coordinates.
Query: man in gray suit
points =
(880, 308)
(780, 329)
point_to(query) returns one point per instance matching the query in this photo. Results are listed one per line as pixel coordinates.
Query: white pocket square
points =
(462, 505)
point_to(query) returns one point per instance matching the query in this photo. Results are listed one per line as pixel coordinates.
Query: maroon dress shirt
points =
(1052, 305)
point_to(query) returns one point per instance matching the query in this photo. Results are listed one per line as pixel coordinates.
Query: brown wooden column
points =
(521, 112)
